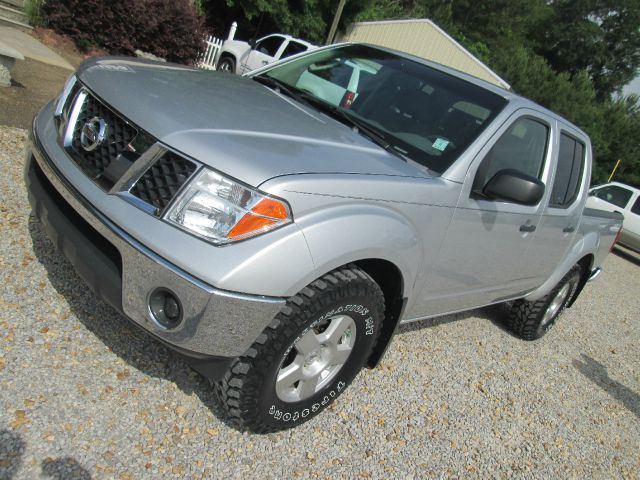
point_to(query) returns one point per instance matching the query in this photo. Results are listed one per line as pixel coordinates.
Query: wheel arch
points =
(228, 54)
(586, 265)
(582, 253)
(390, 280)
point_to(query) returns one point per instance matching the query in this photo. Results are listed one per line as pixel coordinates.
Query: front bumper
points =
(124, 272)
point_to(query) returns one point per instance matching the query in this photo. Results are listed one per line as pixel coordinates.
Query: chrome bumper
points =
(215, 322)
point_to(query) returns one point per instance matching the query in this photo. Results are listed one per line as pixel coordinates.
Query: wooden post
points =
(614, 170)
(334, 24)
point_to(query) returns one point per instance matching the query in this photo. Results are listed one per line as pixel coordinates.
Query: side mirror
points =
(252, 43)
(514, 186)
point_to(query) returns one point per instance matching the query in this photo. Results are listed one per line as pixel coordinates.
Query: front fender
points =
(236, 48)
(350, 232)
(588, 244)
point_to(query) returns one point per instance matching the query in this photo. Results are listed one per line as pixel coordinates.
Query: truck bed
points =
(606, 225)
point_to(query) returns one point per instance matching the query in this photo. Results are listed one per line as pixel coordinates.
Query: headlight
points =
(220, 210)
(62, 98)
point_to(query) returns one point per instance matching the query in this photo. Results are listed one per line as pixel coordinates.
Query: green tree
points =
(622, 120)
(438, 11)
(307, 19)
(499, 22)
(599, 36)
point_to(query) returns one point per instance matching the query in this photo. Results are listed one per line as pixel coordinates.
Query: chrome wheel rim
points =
(556, 304)
(316, 358)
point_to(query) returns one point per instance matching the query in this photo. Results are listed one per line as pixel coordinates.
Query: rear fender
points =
(586, 245)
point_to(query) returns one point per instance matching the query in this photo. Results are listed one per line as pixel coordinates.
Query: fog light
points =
(165, 308)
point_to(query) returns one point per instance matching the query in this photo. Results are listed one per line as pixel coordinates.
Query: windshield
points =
(426, 115)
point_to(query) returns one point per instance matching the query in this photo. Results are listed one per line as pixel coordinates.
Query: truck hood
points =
(234, 124)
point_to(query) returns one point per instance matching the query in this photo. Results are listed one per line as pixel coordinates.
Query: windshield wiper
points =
(359, 126)
(372, 133)
(279, 86)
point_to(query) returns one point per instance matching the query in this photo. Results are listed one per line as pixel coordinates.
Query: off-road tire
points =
(527, 318)
(228, 62)
(247, 392)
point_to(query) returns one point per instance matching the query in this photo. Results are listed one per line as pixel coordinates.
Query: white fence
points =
(209, 58)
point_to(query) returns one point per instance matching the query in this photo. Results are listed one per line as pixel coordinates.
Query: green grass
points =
(33, 10)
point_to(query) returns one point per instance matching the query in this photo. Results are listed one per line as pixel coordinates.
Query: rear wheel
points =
(307, 356)
(227, 64)
(531, 320)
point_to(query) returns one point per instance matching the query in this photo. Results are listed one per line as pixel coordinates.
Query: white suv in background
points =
(241, 57)
(618, 197)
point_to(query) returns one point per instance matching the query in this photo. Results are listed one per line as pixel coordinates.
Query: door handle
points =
(527, 228)
(265, 62)
(569, 229)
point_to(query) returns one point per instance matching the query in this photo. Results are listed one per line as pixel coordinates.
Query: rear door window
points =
(569, 170)
(636, 207)
(293, 48)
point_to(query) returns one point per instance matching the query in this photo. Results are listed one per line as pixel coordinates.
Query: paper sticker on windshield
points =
(440, 144)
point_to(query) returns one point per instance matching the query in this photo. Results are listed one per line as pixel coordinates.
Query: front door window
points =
(522, 147)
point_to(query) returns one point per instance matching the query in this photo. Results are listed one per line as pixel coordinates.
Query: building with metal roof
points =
(422, 38)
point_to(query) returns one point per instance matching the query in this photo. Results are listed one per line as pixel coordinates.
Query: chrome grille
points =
(128, 161)
(119, 134)
(162, 180)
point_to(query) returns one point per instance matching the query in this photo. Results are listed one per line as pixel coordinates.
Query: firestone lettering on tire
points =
(297, 414)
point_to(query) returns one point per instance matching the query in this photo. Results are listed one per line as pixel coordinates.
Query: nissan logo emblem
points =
(93, 134)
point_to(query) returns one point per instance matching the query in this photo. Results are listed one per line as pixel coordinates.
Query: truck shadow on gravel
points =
(626, 254)
(12, 450)
(65, 468)
(597, 373)
(119, 334)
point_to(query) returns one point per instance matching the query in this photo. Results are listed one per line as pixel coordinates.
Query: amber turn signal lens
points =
(270, 208)
(249, 224)
(267, 212)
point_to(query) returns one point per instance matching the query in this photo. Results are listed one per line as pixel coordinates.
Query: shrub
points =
(33, 9)
(167, 28)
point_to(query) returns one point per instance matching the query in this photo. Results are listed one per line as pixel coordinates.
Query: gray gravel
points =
(83, 394)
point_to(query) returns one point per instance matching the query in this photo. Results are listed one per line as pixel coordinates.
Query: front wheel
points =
(307, 356)
(227, 64)
(531, 320)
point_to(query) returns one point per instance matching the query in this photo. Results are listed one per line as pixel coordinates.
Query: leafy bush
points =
(33, 9)
(167, 28)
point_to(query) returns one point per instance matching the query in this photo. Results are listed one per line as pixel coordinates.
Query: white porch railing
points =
(209, 58)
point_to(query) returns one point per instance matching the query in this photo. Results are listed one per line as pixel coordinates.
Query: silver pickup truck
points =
(275, 232)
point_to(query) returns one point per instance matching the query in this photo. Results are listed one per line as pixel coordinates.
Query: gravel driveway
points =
(84, 394)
